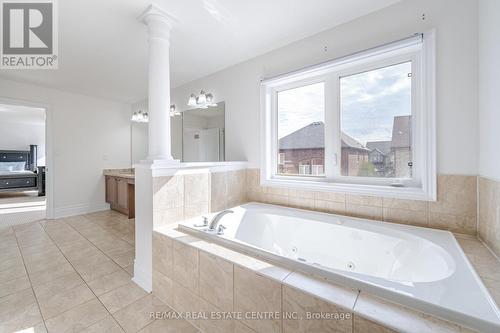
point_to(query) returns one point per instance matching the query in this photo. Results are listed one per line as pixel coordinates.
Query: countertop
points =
(120, 173)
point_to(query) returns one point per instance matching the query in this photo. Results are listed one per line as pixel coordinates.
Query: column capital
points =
(154, 14)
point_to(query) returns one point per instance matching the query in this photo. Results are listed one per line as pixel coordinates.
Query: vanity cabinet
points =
(120, 194)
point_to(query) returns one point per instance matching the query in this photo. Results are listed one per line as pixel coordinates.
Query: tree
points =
(367, 169)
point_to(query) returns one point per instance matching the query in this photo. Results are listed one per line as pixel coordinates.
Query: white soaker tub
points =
(418, 267)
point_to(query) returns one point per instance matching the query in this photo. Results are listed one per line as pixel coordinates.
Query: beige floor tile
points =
(50, 273)
(124, 259)
(92, 272)
(45, 263)
(9, 253)
(241, 328)
(11, 262)
(108, 325)
(116, 248)
(109, 282)
(94, 260)
(169, 326)
(61, 284)
(65, 300)
(79, 254)
(38, 249)
(8, 244)
(137, 315)
(19, 311)
(51, 252)
(129, 269)
(12, 273)
(14, 286)
(77, 318)
(122, 296)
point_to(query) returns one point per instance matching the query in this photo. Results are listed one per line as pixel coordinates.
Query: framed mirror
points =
(198, 135)
(203, 134)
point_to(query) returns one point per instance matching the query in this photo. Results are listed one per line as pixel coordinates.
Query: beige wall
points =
(489, 120)
(185, 196)
(455, 210)
(489, 213)
(180, 197)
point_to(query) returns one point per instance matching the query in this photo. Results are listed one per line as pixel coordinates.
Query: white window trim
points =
(424, 125)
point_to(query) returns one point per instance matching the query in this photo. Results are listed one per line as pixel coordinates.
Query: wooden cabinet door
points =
(111, 188)
(122, 194)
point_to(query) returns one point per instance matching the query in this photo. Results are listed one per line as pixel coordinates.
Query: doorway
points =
(25, 191)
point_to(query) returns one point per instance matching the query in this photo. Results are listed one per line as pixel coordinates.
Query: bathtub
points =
(421, 268)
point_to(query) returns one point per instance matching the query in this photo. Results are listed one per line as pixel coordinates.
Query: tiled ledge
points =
(192, 274)
(455, 209)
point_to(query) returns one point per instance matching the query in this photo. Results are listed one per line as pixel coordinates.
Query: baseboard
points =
(79, 209)
(142, 278)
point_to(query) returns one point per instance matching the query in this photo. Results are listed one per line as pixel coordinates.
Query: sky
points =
(369, 102)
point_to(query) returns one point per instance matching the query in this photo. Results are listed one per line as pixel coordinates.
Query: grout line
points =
(489, 249)
(95, 245)
(29, 278)
(85, 282)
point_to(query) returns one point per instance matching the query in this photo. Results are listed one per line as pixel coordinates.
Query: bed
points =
(19, 171)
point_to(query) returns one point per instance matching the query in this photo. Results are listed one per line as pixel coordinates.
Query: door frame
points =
(49, 151)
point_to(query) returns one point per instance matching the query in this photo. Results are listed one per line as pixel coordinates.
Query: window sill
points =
(408, 193)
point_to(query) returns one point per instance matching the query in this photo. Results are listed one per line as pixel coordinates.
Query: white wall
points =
(489, 88)
(15, 135)
(89, 135)
(456, 25)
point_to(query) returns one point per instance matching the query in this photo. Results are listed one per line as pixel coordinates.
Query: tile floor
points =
(74, 275)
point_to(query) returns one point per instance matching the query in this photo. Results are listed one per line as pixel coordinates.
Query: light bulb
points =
(202, 99)
(192, 100)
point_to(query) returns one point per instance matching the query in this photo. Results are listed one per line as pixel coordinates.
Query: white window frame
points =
(420, 50)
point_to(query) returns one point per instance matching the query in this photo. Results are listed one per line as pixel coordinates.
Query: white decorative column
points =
(159, 24)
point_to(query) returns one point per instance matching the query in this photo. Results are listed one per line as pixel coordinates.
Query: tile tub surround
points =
(232, 281)
(183, 196)
(489, 213)
(455, 210)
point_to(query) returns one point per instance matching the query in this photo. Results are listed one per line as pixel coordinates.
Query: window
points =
(375, 113)
(362, 124)
(301, 116)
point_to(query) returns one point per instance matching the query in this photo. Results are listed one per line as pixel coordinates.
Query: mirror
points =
(198, 135)
(203, 134)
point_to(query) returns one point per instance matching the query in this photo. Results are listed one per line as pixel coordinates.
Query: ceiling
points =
(103, 47)
(21, 114)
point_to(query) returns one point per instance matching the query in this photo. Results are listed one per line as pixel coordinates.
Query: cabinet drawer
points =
(17, 182)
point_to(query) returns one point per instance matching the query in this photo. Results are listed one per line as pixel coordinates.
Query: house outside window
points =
(361, 124)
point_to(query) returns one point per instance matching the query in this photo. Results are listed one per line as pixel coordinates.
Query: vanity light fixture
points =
(173, 111)
(192, 100)
(140, 117)
(202, 101)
